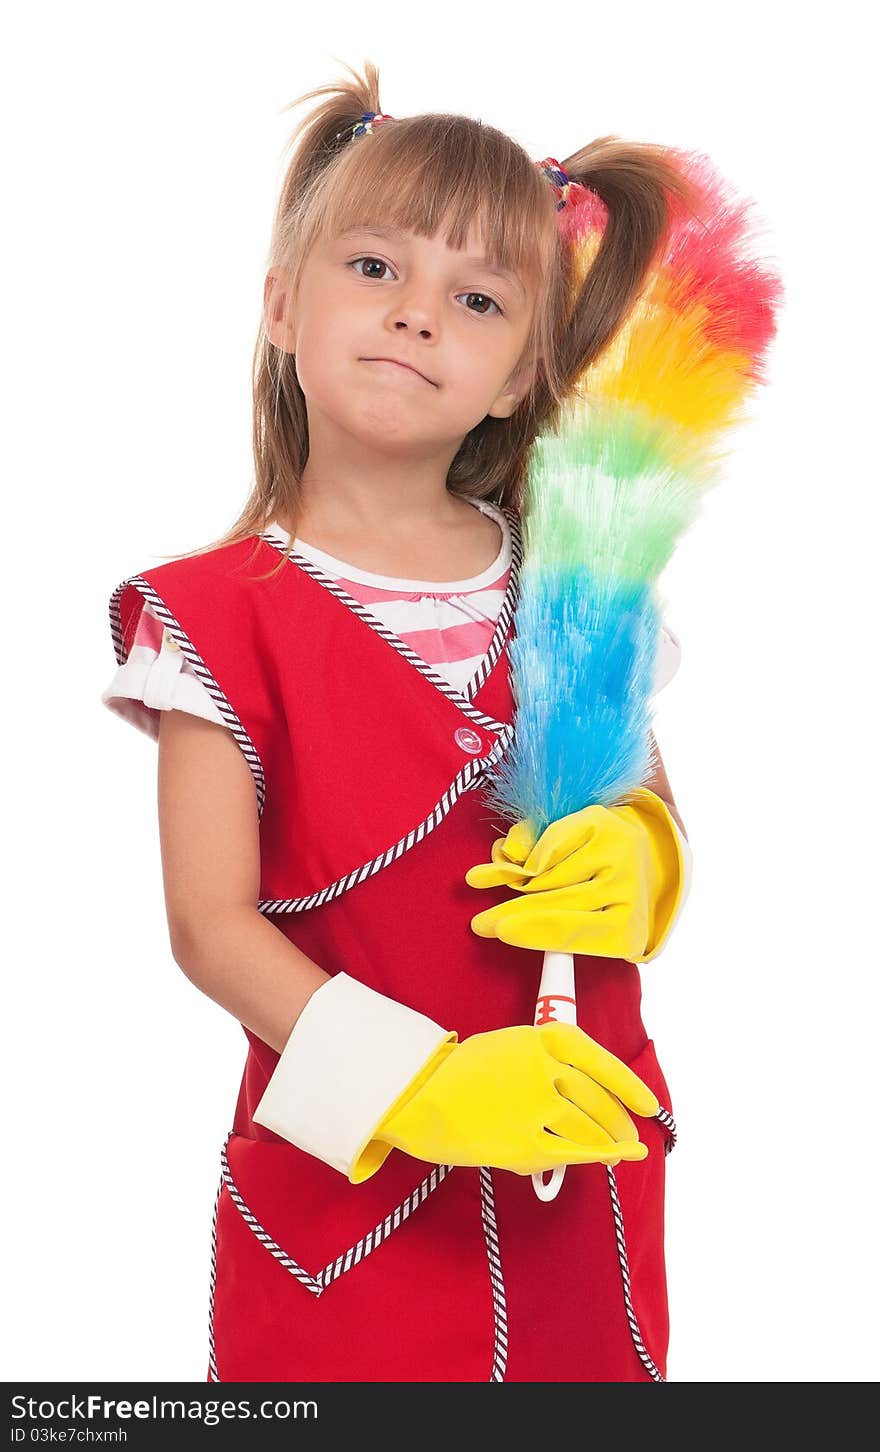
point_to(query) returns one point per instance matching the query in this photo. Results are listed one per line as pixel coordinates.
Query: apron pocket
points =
(406, 1292)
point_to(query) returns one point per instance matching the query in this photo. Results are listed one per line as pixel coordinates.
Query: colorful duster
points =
(609, 496)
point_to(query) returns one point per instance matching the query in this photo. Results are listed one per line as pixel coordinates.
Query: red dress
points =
(367, 766)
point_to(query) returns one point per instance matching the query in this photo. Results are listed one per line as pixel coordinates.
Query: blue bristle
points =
(582, 660)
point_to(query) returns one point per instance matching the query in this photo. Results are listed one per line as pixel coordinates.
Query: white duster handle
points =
(556, 1004)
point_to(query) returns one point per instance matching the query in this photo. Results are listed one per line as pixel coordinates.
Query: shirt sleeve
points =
(156, 677)
(667, 659)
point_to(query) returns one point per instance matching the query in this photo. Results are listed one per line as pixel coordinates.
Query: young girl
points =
(329, 686)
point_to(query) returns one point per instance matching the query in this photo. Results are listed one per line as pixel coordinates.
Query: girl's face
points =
(367, 295)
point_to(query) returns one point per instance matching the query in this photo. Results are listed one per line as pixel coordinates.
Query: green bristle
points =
(604, 494)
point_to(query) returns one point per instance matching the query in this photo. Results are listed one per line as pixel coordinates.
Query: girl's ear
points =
(278, 311)
(514, 391)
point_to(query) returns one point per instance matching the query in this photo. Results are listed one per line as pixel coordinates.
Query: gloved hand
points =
(607, 881)
(495, 1098)
(362, 1073)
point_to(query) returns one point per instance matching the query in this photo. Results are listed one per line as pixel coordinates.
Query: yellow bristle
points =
(662, 362)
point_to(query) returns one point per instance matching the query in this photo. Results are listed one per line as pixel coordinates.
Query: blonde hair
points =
(413, 173)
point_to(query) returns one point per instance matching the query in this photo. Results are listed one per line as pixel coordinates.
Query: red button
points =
(468, 740)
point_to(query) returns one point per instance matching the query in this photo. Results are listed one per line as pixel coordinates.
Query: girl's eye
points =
(485, 296)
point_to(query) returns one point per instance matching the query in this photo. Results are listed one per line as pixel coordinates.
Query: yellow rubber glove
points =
(606, 881)
(495, 1098)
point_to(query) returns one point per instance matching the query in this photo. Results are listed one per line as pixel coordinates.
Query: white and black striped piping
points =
(666, 1119)
(248, 750)
(317, 1284)
(643, 1353)
(311, 1283)
(212, 1350)
(493, 1250)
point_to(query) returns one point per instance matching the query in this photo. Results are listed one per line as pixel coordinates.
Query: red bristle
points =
(705, 261)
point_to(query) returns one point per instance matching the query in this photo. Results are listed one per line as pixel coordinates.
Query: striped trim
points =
(644, 1355)
(249, 751)
(472, 773)
(318, 1283)
(668, 1123)
(493, 1249)
(666, 1119)
(212, 1351)
(310, 1282)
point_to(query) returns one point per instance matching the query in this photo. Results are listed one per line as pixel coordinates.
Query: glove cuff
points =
(352, 1055)
(674, 860)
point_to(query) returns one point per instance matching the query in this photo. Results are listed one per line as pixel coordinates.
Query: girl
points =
(329, 686)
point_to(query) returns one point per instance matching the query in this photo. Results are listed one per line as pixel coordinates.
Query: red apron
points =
(367, 767)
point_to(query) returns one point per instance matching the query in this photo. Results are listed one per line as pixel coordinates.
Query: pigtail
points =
(631, 185)
(318, 139)
(628, 190)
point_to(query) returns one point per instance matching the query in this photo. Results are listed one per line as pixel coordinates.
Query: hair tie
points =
(558, 178)
(366, 124)
(550, 168)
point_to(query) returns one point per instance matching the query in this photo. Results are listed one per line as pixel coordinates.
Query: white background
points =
(144, 147)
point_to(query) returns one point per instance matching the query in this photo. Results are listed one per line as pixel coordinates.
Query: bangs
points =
(441, 174)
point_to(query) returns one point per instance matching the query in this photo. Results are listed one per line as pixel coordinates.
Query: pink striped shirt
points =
(449, 623)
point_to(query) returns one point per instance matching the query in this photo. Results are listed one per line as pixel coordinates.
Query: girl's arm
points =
(658, 783)
(355, 1074)
(209, 836)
